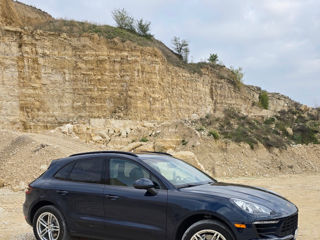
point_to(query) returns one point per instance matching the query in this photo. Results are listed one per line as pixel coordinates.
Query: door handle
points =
(62, 192)
(112, 197)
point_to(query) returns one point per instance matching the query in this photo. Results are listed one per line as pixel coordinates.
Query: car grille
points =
(285, 226)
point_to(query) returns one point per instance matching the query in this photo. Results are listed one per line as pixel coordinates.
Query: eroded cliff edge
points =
(49, 79)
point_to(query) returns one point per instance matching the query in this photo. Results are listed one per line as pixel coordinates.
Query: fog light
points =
(238, 225)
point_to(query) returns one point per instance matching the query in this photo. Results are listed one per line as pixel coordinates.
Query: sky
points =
(276, 42)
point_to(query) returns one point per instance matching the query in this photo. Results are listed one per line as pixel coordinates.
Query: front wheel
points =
(48, 224)
(207, 229)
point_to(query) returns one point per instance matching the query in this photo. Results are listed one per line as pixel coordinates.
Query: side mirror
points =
(147, 184)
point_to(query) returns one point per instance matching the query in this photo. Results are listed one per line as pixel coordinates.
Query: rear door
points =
(132, 213)
(79, 191)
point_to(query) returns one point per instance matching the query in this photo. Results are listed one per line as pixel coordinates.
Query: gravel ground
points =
(303, 190)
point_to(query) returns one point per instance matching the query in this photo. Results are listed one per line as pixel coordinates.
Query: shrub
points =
(143, 28)
(264, 100)
(200, 129)
(283, 128)
(237, 76)
(184, 142)
(270, 121)
(305, 135)
(181, 47)
(123, 20)
(214, 134)
(144, 139)
(213, 58)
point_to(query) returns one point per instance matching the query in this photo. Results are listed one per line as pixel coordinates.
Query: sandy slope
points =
(303, 190)
(24, 156)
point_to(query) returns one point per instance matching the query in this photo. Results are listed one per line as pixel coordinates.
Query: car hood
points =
(281, 206)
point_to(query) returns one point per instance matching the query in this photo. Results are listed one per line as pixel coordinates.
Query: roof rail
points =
(98, 152)
(163, 153)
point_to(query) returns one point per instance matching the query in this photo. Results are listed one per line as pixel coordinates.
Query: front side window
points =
(124, 172)
(84, 170)
(177, 172)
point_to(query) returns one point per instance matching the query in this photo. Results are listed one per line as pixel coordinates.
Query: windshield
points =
(177, 172)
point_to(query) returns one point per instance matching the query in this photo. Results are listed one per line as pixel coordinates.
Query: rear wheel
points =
(49, 224)
(207, 230)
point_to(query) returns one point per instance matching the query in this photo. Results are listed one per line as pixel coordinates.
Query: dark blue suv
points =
(150, 196)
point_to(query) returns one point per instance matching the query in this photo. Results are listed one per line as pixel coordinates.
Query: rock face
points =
(30, 15)
(50, 79)
(8, 14)
(18, 14)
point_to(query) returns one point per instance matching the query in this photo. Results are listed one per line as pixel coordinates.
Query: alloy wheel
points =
(48, 227)
(208, 234)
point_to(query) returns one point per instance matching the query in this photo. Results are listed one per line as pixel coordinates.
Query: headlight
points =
(252, 208)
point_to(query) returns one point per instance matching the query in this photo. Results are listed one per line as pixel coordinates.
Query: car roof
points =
(142, 154)
(103, 152)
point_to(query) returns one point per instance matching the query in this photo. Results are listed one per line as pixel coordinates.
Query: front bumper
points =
(273, 229)
(289, 237)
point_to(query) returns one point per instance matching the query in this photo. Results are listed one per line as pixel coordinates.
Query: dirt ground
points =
(303, 190)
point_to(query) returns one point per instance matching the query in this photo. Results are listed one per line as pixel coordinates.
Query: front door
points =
(132, 213)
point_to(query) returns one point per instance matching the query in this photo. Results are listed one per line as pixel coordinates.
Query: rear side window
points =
(84, 170)
(87, 170)
(64, 173)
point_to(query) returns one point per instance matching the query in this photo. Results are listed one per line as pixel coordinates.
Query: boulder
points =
(290, 131)
(131, 146)
(188, 157)
(164, 145)
(20, 187)
(149, 147)
(97, 139)
(97, 122)
(67, 129)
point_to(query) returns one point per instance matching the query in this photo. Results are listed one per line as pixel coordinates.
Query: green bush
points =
(305, 135)
(181, 47)
(213, 58)
(270, 121)
(143, 28)
(264, 100)
(237, 76)
(214, 134)
(144, 139)
(184, 142)
(200, 129)
(123, 20)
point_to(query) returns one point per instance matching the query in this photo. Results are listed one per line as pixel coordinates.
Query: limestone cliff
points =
(48, 79)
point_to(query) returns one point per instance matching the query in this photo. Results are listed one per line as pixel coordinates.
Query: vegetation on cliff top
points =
(286, 128)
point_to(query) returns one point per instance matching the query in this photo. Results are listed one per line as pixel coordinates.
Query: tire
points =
(211, 227)
(57, 230)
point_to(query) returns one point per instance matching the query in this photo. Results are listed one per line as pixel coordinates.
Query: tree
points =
(143, 28)
(181, 47)
(213, 58)
(264, 100)
(123, 19)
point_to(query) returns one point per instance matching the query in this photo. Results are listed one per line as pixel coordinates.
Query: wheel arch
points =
(188, 221)
(37, 206)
